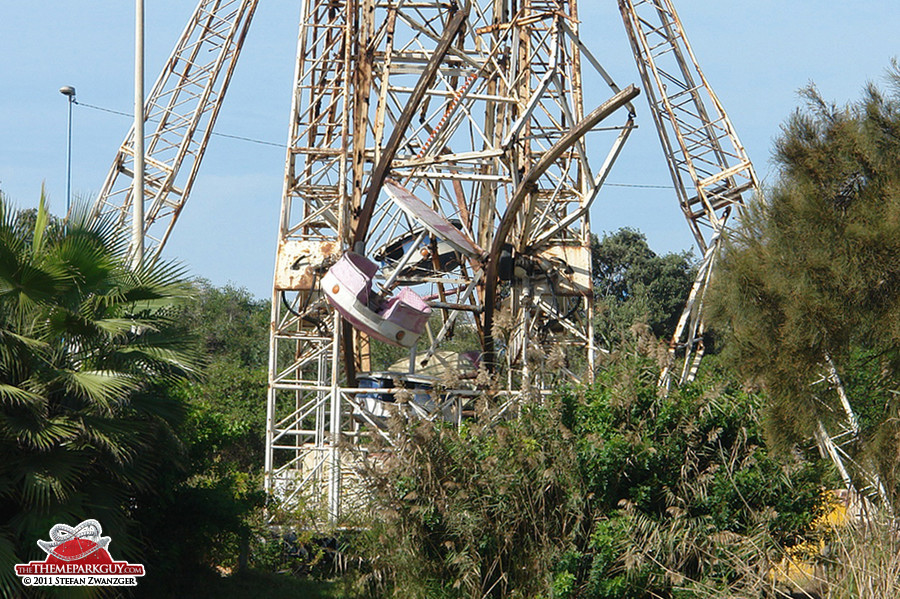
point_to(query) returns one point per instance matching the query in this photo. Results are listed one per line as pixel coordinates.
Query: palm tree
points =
(89, 351)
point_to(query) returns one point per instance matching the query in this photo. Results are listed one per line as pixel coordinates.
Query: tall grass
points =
(864, 561)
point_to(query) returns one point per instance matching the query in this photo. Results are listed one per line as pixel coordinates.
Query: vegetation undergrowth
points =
(606, 491)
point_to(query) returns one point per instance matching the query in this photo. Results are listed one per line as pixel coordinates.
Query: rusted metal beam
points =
(523, 190)
(454, 26)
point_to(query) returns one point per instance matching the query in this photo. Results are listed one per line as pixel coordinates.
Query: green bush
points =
(485, 511)
(603, 492)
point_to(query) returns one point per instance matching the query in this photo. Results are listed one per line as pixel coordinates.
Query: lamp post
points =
(137, 225)
(69, 92)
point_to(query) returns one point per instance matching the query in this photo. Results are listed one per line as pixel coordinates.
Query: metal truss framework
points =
(710, 169)
(841, 443)
(498, 148)
(477, 109)
(180, 111)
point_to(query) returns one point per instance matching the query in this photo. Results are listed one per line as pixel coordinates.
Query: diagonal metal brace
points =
(525, 188)
(380, 173)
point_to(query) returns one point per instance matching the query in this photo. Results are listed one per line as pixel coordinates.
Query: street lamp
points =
(69, 92)
(137, 223)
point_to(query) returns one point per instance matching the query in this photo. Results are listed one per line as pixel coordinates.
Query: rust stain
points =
(300, 264)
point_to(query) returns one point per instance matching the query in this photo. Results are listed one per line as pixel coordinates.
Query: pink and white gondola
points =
(398, 320)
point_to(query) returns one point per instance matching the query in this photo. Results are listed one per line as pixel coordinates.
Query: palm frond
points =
(38, 433)
(102, 388)
(10, 395)
(10, 586)
(115, 328)
(42, 488)
(40, 224)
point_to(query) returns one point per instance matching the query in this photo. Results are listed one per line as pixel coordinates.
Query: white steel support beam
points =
(179, 112)
(709, 167)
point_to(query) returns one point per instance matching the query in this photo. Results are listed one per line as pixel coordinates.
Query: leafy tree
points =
(633, 284)
(88, 351)
(232, 326)
(108, 411)
(213, 502)
(231, 323)
(813, 273)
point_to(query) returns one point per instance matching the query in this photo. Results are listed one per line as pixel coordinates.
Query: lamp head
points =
(67, 90)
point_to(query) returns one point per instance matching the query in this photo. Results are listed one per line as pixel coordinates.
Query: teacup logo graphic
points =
(69, 544)
(78, 556)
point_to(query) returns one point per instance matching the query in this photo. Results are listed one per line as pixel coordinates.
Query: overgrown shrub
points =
(603, 492)
(486, 511)
(863, 560)
(684, 495)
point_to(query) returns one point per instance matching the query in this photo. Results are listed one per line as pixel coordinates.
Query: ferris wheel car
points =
(399, 320)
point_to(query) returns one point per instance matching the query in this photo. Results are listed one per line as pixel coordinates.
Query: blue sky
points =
(755, 54)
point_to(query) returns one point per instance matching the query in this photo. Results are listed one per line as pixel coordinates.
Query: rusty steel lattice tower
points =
(710, 168)
(449, 143)
(476, 107)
